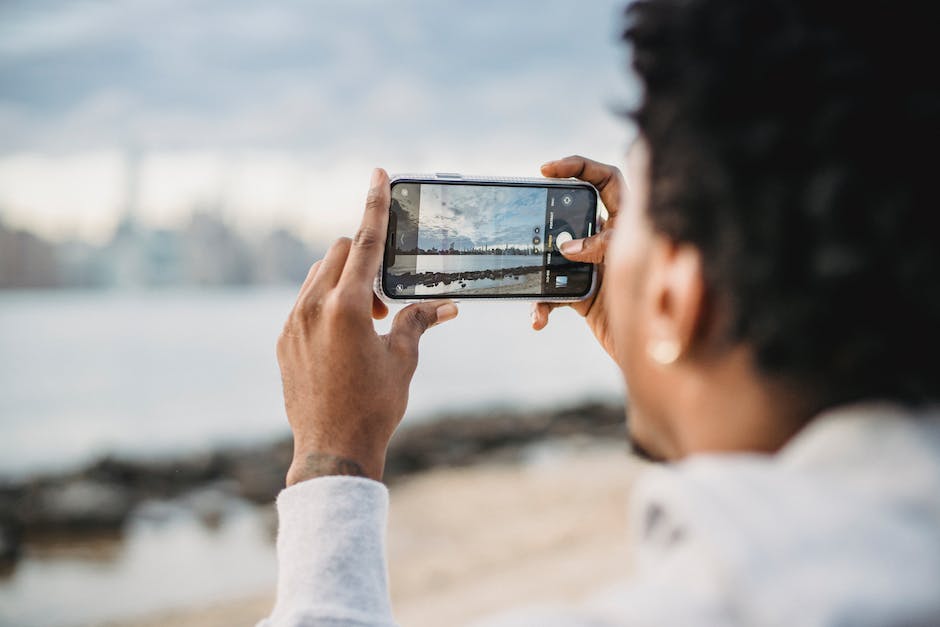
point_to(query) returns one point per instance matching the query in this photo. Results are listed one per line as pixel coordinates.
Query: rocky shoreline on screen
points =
(100, 497)
(430, 279)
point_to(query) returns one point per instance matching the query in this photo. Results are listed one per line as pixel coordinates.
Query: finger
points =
(412, 321)
(365, 257)
(540, 312)
(311, 275)
(587, 249)
(379, 309)
(331, 266)
(607, 179)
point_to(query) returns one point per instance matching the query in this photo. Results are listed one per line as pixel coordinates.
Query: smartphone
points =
(459, 237)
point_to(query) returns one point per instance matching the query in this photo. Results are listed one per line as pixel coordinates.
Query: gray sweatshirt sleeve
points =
(332, 566)
(332, 570)
(331, 555)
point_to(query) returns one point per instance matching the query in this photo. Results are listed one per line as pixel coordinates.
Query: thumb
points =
(412, 321)
(588, 249)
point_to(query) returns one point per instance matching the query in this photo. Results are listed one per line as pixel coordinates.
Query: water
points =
(467, 263)
(157, 373)
(166, 558)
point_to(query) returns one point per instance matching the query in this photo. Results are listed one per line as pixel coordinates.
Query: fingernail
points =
(572, 246)
(446, 312)
(376, 177)
(546, 164)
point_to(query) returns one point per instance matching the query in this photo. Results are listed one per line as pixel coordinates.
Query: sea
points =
(151, 373)
(468, 263)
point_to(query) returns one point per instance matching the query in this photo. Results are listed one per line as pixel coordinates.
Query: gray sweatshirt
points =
(841, 527)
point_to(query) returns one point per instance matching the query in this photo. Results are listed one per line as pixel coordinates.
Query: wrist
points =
(310, 464)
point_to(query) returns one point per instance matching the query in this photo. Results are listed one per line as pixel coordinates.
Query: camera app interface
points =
(466, 240)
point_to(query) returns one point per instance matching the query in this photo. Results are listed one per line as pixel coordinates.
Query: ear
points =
(676, 298)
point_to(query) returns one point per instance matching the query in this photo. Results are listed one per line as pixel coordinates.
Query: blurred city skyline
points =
(271, 115)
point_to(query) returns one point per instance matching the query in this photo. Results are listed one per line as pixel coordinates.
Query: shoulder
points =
(844, 520)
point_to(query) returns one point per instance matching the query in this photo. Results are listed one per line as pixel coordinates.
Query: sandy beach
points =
(466, 542)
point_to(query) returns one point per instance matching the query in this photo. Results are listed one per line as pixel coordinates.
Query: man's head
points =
(780, 241)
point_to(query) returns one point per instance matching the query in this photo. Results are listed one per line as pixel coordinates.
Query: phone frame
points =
(503, 181)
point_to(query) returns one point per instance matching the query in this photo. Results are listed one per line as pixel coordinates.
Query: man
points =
(769, 291)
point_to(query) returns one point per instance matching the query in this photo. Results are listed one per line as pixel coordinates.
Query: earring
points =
(663, 352)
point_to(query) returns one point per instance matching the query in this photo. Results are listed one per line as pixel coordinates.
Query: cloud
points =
(480, 216)
(486, 87)
(173, 74)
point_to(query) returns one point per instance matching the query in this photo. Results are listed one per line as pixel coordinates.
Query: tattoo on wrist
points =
(323, 464)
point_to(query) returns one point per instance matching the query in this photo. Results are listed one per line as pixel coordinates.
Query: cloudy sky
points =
(482, 216)
(276, 111)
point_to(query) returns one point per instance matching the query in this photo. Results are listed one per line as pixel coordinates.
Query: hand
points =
(345, 386)
(610, 183)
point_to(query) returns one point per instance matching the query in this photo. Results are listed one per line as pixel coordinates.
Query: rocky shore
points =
(431, 279)
(474, 541)
(100, 497)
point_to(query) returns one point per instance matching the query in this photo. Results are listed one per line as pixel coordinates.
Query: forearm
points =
(331, 554)
(345, 391)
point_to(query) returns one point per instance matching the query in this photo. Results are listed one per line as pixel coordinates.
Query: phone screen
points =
(484, 240)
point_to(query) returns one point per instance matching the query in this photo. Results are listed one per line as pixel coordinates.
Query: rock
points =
(211, 505)
(102, 495)
(260, 474)
(464, 439)
(10, 544)
(431, 279)
(79, 504)
(158, 478)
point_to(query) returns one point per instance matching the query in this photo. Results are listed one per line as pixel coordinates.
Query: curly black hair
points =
(793, 142)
